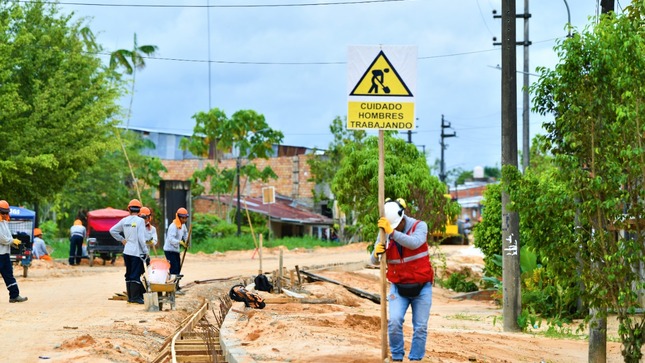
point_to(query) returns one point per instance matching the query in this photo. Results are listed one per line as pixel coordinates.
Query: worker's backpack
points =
(250, 300)
(262, 283)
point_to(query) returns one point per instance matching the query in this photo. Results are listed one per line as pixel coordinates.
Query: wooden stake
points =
(260, 254)
(248, 216)
(280, 274)
(383, 264)
(299, 278)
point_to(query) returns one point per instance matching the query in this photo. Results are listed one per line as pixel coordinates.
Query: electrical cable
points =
(212, 6)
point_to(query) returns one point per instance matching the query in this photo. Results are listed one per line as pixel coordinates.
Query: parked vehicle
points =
(21, 224)
(453, 234)
(99, 241)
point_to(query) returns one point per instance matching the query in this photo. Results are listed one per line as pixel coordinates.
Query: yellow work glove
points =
(149, 242)
(385, 224)
(183, 244)
(17, 242)
(379, 249)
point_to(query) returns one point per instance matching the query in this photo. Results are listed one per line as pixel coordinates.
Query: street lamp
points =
(568, 18)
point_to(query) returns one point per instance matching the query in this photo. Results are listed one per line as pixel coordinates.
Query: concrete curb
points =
(231, 347)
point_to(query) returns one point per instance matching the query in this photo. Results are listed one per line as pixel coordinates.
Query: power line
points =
(289, 63)
(214, 6)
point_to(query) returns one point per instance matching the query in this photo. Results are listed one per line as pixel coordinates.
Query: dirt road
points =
(69, 317)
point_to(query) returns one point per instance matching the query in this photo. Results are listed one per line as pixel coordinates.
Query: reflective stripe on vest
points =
(409, 258)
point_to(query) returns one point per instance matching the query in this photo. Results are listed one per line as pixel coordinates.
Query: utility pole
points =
(607, 6)
(526, 149)
(444, 125)
(409, 132)
(512, 303)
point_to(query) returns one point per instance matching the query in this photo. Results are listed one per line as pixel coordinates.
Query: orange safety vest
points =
(411, 266)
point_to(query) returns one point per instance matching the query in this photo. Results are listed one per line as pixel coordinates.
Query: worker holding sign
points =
(410, 274)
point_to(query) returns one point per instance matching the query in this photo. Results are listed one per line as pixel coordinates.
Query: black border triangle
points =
(393, 70)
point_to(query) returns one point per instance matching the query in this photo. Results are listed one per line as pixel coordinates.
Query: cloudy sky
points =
(287, 59)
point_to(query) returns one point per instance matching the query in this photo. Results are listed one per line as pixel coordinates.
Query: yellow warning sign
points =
(381, 115)
(381, 79)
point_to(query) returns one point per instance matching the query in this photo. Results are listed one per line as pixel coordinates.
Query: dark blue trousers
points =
(133, 268)
(173, 258)
(75, 250)
(6, 269)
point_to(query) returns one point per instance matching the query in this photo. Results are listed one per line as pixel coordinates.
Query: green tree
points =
(246, 131)
(111, 177)
(131, 61)
(407, 176)
(547, 210)
(597, 93)
(324, 167)
(57, 102)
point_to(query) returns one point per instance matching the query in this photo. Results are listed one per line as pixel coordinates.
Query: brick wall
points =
(292, 171)
(470, 192)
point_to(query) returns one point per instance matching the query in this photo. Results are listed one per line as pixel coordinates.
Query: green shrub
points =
(459, 282)
(206, 226)
(50, 230)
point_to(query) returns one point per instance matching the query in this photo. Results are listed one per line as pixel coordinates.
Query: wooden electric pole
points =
(512, 303)
(526, 148)
(444, 125)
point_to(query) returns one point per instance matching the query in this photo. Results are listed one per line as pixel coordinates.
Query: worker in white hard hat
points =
(410, 274)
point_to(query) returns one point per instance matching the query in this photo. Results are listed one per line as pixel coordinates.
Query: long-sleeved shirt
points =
(173, 236)
(413, 241)
(133, 228)
(39, 249)
(6, 239)
(77, 230)
(151, 235)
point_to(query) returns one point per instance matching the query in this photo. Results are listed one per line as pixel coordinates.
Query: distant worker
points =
(39, 250)
(176, 237)
(410, 274)
(76, 238)
(151, 231)
(468, 227)
(131, 232)
(6, 267)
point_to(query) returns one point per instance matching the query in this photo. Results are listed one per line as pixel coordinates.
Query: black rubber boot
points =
(137, 293)
(127, 289)
(178, 290)
(18, 299)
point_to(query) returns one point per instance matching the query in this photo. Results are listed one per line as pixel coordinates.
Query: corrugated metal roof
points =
(283, 210)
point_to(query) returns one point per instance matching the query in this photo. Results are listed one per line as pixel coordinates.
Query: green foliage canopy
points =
(56, 101)
(215, 133)
(597, 94)
(407, 176)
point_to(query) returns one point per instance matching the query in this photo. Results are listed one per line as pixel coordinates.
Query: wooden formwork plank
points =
(195, 359)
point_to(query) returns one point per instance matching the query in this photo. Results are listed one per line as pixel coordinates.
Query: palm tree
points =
(131, 60)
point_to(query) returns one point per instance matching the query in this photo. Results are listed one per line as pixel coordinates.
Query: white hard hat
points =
(393, 213)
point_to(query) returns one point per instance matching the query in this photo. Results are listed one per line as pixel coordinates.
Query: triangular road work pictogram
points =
(381, 79)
